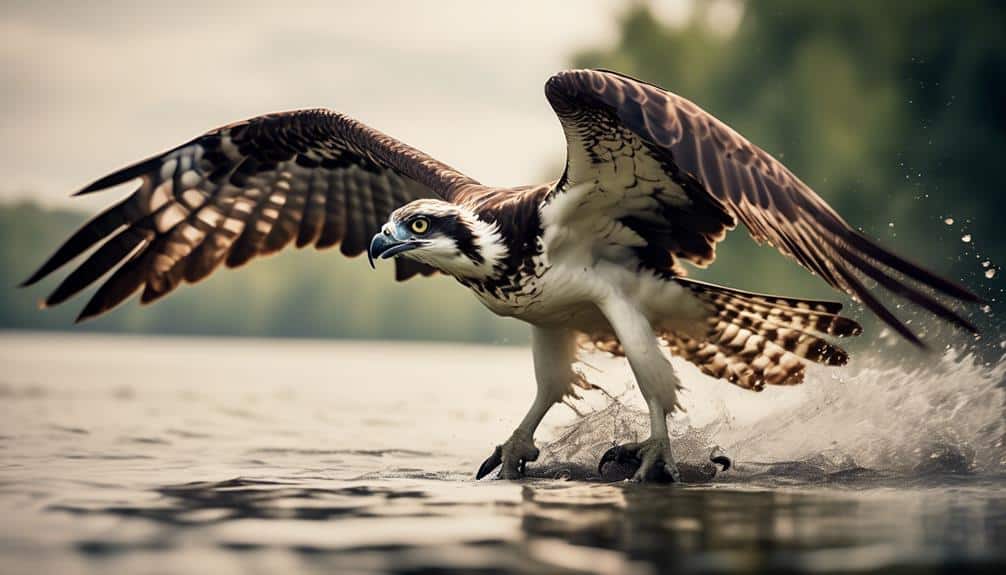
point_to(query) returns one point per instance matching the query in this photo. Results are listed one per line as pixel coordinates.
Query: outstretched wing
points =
(311, 177)
(607, 117)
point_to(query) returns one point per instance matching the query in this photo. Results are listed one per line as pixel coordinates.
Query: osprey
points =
(590, 259)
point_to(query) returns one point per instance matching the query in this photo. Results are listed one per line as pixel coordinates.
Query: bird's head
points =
(447, 236)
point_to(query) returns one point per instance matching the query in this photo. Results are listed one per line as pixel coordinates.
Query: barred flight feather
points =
(245, 190)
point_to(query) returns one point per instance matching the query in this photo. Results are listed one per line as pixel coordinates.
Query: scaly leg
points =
(658, 384)
(554, 353)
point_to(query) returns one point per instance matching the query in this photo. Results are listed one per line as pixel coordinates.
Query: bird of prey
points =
(594, 258)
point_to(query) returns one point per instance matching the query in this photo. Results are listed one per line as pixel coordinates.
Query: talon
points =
(719, 458)
(608, 456)
(723, 461)
(650, 460)
(672, 472)
(491, 462)
(535, 452)
(618, 454)
(514, 455)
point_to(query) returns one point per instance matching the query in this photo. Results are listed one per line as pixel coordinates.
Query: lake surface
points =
(155, 455)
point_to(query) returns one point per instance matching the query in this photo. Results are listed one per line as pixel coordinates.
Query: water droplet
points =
(966, 238)
(949, 221)
(990, 273)
(986, 263)
(890, 224)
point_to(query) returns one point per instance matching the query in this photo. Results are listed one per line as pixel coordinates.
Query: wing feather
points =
(245, 190)
(749, 184)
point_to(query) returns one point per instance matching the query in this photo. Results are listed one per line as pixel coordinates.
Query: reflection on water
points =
(156, 454)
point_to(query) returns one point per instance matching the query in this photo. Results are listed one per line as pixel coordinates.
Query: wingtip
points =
(87, 313)
(966, 324)
(965, 293)
(94, 186)
(32, 279)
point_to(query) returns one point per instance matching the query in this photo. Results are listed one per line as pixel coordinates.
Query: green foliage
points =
(892, 111)
(297, 293)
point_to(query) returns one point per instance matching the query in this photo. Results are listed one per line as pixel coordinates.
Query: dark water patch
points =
(241, 498)
(188, 434)
(22, 391)
(123, 393)
(378, 548)
(106, 456)
(241, 413)
(147, 440)
(94, 484)
(322, 452)
(106, 548)
(241, 546)
(418, 475)
(70, 429)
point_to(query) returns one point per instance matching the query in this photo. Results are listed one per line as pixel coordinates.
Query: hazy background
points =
(892, 111)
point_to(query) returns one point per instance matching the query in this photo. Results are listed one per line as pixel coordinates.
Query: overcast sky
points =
(91, 86)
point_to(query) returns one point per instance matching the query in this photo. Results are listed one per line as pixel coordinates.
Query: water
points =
(154, 455)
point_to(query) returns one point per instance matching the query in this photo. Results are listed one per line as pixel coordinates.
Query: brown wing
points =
(311, 177)
(747, 182)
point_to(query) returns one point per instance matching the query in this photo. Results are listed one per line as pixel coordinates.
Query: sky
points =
(89, 87)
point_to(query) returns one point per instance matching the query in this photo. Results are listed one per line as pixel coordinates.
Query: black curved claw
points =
(720, 459)
(620, 455)
(491, 462)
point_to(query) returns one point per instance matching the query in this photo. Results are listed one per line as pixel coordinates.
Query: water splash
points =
(943, 415)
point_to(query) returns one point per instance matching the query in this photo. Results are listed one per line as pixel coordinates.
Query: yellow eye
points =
(420, 225)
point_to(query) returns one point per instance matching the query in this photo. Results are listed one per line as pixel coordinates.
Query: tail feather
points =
(757, 363)
(731, 325)
(753, 340)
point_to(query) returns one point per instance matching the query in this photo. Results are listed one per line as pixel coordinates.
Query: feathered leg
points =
(554, 353)
(658, 384)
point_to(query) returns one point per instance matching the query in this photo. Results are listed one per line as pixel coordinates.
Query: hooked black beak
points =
(384, 246)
